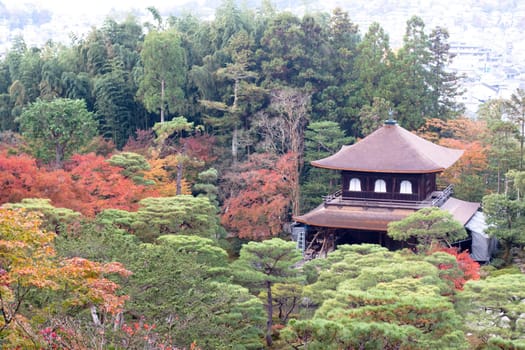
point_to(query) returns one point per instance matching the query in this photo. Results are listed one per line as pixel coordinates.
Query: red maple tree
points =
(22, 178)
(17, 174)
(469, 269)
(260, 196)
(87, 184)
(99, 185)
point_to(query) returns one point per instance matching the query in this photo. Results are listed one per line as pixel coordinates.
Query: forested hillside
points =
(148, 172)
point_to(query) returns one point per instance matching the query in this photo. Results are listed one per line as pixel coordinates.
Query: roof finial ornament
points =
(391, 120)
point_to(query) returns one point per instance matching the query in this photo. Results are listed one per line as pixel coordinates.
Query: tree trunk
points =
(521, 142)
(162, 92)
(269, 309)
(235, 136)
(180, 169)
(235, 144)
(296, 191)
(499, 179)
(179, 179)
(507, 256)
(59, 155)
(94, 316)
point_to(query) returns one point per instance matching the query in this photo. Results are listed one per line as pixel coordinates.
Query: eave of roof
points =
(376, 219)
(348, 217)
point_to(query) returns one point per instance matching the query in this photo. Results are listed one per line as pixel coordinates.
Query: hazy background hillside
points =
(485, 35)
(491, 23)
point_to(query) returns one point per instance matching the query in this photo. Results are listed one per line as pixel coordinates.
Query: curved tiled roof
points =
(392, 149)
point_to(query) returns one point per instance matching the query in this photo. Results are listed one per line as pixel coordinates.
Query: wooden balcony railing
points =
(370, 199)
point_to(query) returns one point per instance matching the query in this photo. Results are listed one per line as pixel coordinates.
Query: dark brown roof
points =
(392, 149)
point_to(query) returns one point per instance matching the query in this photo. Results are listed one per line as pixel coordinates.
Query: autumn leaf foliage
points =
(20, 178)
(88, 184)
(260, 196)
(100, 185)
(29, 265)
(460, 133)
(468, 268)
(89, 288)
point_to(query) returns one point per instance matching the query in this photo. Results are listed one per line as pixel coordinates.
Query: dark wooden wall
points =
(422, 185)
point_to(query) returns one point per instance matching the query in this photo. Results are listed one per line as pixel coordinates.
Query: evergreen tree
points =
(492, 308)
(413, 100)
(505, 214)
(430, 227)
(372, 76)
(371, 298)
(342, 38)
(515, 107)
(180, 285)
(59, 127)
(115, 106)
(163, 77)
(159, 216)
(263, 264)
(501, 139)
(444, 85)
(322, 139)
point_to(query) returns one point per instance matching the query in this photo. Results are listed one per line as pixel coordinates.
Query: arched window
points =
(380, 185)
(405, 187)
(355, 184)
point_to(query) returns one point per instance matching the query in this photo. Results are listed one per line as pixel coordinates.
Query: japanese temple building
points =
(386, 176)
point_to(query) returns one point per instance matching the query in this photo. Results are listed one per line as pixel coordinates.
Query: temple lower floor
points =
(319, 241)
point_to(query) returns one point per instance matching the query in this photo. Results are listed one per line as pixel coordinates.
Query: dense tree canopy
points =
(204, 130)
(130, 79)
(163, 73)
(494, 307)
(372, 298)
(263, 264)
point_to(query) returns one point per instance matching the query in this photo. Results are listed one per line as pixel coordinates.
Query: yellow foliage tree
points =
(162, 172)
(29, 265)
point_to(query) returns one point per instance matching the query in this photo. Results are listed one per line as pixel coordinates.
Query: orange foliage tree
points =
(17, 176)
(259, 196)
(20, 178)
(467, 174)
(459, 133)
(88, 184)
(175, 158)
(473, 161)
(164, 170)
(468, 268)
(29, 265)
(99, 185)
